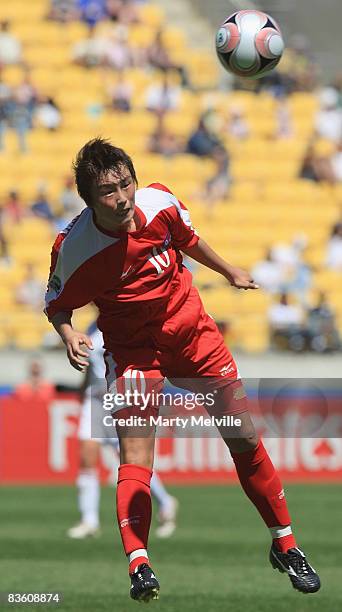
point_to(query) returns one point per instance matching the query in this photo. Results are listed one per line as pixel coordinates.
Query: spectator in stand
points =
(162, 97)
(14, 209)
(334, 248)
(20, 118)
(15, 113)
(163, 142)
(316, 167)
(70, 200)
(91, 51)
(5, 90)
(203, 141)
(30, 292)
(277, 83)
(10, 46)
(4, 253)
(237, 126)
(41, 207)
(286, 324)
(297, 71)
(27, 92)
(91, 11)
(321, 327)
(328, 120)
(217, 187)
(283, 270)
(122, 11)
(5, 102)
(158, 57)
(268, 273)
(63, 11)
(301, 64)
(337, 85)
(118, 55)
(114, 8)
(47, 114)
(120, 94)
(336, 164)
(284, 125)
(35, 388)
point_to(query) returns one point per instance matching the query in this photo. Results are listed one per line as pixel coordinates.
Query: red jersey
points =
(119, 272)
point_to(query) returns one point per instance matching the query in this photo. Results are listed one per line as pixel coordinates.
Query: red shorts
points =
(186, 347)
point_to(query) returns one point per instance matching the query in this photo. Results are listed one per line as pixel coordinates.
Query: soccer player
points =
(124, 253)
(88, 484)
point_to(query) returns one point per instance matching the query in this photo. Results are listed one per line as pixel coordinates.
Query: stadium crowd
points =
(187, 116)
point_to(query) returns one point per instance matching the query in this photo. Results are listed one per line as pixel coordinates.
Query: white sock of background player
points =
(158, 491)
(89, 497)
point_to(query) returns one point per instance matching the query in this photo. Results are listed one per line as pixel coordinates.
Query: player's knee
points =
(136, 452)
(243, 444)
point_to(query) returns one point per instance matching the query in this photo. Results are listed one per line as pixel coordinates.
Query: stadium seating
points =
(267, 204)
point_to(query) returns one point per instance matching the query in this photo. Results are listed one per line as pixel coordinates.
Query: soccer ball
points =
(249, 43)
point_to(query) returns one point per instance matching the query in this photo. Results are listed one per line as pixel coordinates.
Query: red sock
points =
(262, 484)
(134, 509)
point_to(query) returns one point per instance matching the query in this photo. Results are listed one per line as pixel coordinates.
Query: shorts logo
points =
(128, 271)
(55, 283)
(227, 369)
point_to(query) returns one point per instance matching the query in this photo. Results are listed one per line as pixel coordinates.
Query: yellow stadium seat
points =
(27, 339)
(254, 342)
(30, 253)
(19, 11)
(33, 230)
(74, 31)
(329, 281)
(83, 317)
(56, 58)
(174, 38)
(218, 302)
(6, 298)
(140, 36)
(152, 15)
(5, 338)
(251, 332)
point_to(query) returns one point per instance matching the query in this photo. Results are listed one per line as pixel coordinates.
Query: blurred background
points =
(257, 162)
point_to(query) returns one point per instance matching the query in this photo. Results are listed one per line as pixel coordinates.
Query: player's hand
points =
(241, 279)
(77, 355)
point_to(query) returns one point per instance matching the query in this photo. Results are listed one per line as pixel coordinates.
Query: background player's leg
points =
(87, 482)
(168, 506)
(133, 495)
(88, 491)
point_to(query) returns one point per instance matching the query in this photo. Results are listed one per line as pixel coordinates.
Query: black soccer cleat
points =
(294, 563)
(145, 585)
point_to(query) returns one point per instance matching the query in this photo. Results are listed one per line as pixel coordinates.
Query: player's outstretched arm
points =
(205, 255)
(72, 339)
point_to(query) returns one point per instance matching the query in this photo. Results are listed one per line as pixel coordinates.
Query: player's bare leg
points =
(88, 492)
(134, 508)
(262, 485)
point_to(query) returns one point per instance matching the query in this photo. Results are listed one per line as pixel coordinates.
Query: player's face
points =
(114, 197)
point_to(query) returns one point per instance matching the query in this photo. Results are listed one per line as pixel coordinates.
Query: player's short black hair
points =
(96, 158)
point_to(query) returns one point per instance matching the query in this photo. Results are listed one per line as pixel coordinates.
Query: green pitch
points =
(216, 561)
